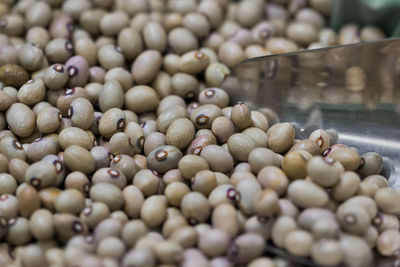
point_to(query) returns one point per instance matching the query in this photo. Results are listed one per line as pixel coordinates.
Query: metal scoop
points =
(351, 89)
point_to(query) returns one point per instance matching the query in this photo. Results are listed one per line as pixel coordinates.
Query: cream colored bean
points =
(180, 133)
(21, 119)
(307, 194)
(153, 211)
(146, 66)
(386, 199)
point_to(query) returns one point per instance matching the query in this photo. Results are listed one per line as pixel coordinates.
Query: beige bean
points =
(181, 40)
(247, 188)
(195, 207)
(280, 137)
(306, 194)
(355, 251)
(155, 36)
(130, 42)
(214, 242)
(353, 219)
(194, 62)
(299, 243)
(169, 252)
(141, 98)
(153, 211)
(189, 165)
(310, 216)
(41, 174)
(108, 194)
(266, 203)
(302, 33)
(274, 178)
(349, 158)
(112, 121)
(307, 145)
(347, 186)
(94, 213)
(240, 145)
(70, 201)
(77, 158)
(324, 171)
(111, 96)
(246, 247)
(231, 54)
(367, 203)
(386, 200)
(146, 66)
(277, 45)
(28, 200)
(204, 182)
(41, 225)
(21, 119)
(32, 92)
(327, 252)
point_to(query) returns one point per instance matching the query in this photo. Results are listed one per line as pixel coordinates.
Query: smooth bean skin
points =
(347, 186)
(13, 75)
(382, 197)
(153, 211)
(295, 164)
(195, 207)
(307, 145)
(280, 137)
(189, 165)
(245, 248)
(130, 42)
(145, 67)
(349, 158)
(111, 96)
(154, 36)
(327, 252)
(371, 163)
(108, 194)
(78, 158)
(164, 158)
(261, 157)
(30, 57)
(217, 158)
(241, 115)
(274, 178)
(141, 98)
(324, 172)
(110, 56)
(81, 113)
(225, 52)
(360, 256)
(21, 119)
(247, 188)
(307, 194)
(299, 242)
(180, 133)
(112, 121)
(175, 38)
(78, 71)
(240, 145)
(194, 62)
(41, 225)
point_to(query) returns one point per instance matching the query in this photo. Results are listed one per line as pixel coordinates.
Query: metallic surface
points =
(353, 89)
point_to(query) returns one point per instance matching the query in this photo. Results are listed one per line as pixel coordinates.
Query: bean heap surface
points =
(118, 146)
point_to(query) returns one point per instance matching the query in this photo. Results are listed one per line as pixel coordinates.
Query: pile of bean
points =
(118, 148)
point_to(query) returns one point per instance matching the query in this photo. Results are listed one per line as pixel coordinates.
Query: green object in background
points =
(382, 13)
